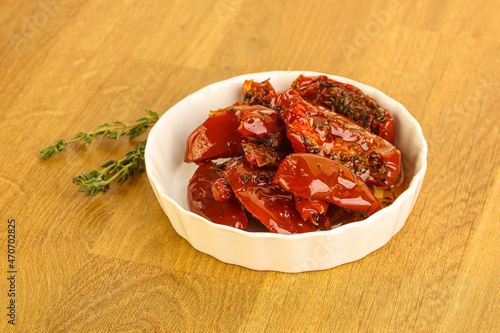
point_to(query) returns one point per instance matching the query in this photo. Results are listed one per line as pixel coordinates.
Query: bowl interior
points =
(169, 175)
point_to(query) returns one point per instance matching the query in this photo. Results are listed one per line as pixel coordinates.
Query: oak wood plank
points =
(114, 262)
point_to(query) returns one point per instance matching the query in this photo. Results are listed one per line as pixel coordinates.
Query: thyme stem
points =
(113, 130)
(99, 180)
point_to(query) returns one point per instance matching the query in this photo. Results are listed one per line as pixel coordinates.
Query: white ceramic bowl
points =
(169, 176)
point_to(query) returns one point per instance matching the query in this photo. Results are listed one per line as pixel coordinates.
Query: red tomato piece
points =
(217, 137)
(261, 155)
(261, 123)
(349, 101)
(310, 209)
(320, 178)
(258, 93)
(314, 129)
(271, 205)
(202, 202)
(221, 190)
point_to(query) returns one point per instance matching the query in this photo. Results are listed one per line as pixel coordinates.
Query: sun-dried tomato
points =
(271, 205)
(316, 177)
(314, 129)
(349, 101)
(202, 202)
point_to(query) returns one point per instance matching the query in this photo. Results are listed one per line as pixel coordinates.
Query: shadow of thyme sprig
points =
(114, 130)
(98, 180)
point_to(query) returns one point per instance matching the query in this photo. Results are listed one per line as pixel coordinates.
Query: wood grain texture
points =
(113, 263)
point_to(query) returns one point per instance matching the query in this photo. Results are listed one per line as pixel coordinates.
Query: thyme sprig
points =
(99, 180)
(114, 130)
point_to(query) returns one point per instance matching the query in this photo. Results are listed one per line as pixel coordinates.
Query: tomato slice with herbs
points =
(261, 123)
(314, 129)
(202, 202)
(258, 93)
(320, 178)
(271, 205)
(260, 155)
(349, 101)
(222, 134)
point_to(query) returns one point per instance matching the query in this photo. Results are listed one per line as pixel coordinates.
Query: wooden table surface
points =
(113, 263)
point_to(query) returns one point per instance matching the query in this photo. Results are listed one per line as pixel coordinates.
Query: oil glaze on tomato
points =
(202, 202)
(314, 129)
(320, 178)
(271, 205)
